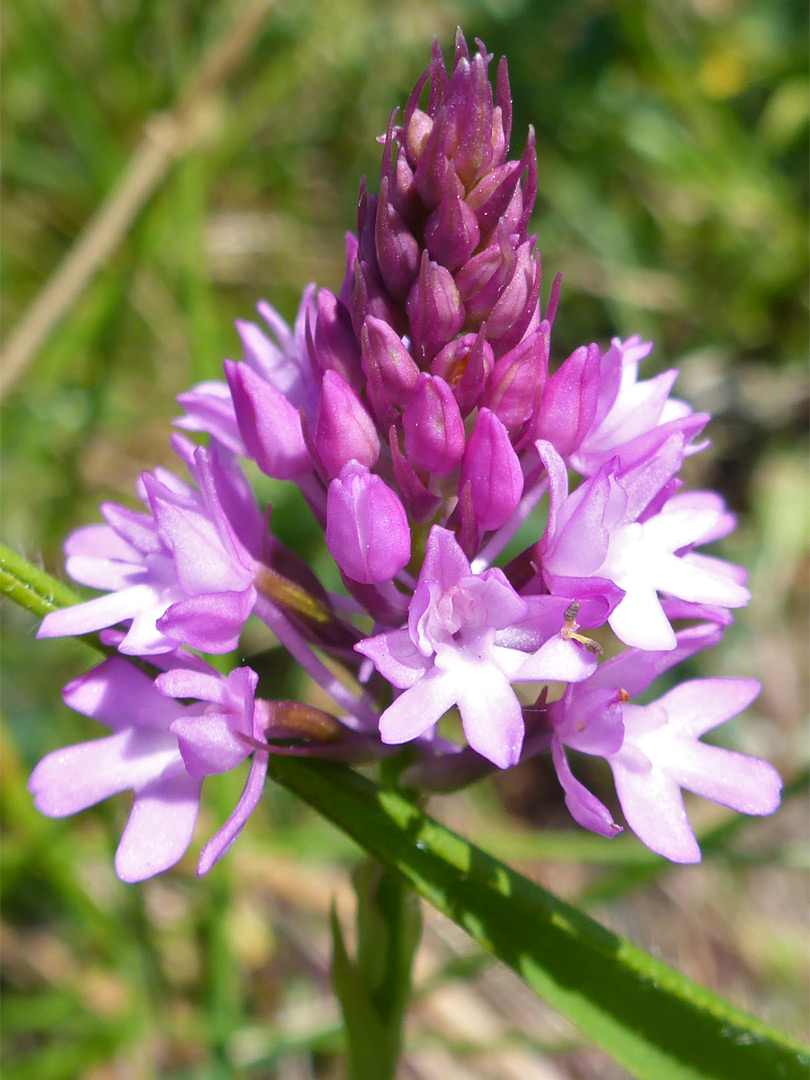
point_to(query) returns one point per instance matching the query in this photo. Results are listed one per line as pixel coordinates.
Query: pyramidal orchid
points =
(424, 413)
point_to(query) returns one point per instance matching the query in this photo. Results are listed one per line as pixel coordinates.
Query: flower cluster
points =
(418, 413)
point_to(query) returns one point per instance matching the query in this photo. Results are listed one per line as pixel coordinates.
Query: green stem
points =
(32, 588)
(40, 593)
(374, 989)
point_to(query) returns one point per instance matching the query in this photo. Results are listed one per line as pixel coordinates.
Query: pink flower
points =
(662, 753)
(450, 654)
(631, 417)
(182, 574)
(654, 750)
(610, 527)
(161, 751)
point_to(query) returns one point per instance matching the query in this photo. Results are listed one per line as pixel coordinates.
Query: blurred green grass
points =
(672, 143)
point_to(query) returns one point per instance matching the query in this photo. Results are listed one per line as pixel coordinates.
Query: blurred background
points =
(189, 159)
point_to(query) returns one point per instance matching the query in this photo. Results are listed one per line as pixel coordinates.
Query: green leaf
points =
(649, 1017)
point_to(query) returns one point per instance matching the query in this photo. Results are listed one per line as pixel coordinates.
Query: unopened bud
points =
(269, 425)
(366, 526)
(491, 473)
(343, 429)
(435, 310)
(334, 343)
(465, 365)
(434, 430)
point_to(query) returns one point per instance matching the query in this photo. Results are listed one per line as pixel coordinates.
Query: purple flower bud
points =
(366, 527)
(451, 232)
(370, 297)
(366, 217)
(334, 343)
(503, 98)
(429, 176)
(417, 133)
(512, 312)
(435, 310)
(517, 382)
(569, 400)
(482, 280)
(465, 365)
(456, 101)
(434, 430)
(345, 295)
(419, 502)
(491, 196)
(269, 425)
(390, 370)
(461, 49)
(404, 195)
(490, 473)
(343, 429)
(397, 250)
(474, 154)
(528, 192)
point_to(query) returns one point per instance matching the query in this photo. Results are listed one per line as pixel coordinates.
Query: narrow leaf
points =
(654, 1021)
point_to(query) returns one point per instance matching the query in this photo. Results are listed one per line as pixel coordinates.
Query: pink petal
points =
(502, 605)
(204, 686)
(558, 661)
(743, 783)
(101, 542)
(490, 714)
(160, 825)
(209, 743)
(583, 805)
(395, 657)
(653, 806)
(592, 721)
(418, 708)
(210, 623)
(203, 565)
(98, 573)
(76, 777)
(444, 563)
(557, 484)
(695, 707)
(580, 543)
(636, 411)
(248, 801)
(639, 621)
(143, 637)
(208, 407)
(717, 568)
(120, 696)
(98, 613)
(136, 528)
(692, 581)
